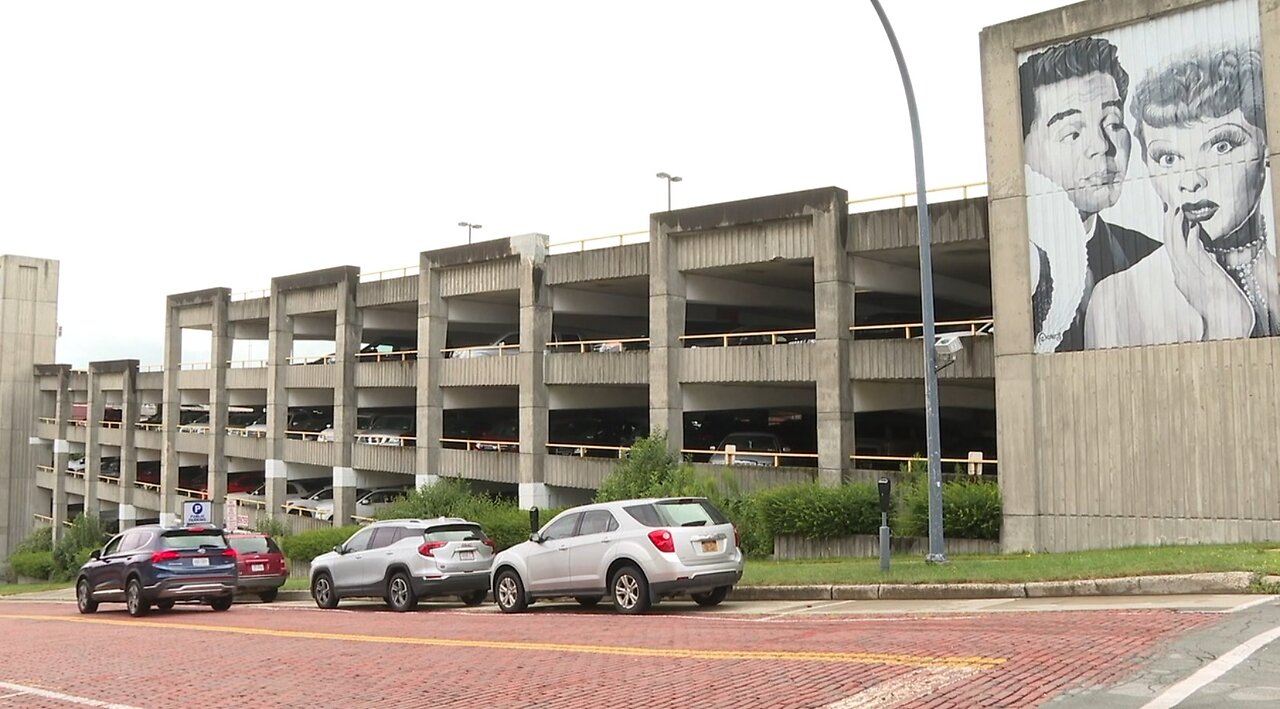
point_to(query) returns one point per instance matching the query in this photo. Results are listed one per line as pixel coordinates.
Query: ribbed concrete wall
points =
(195, 378)
(387, 292)
(961, 220)
(148, 439)
(150, 381)
(192, 443)
(479, 371)
(481, 277)
(598, 265)
(311, 376)
(746, 243)
(110, 437)
(480, 465)
(312, 452)
(251, 309)
(394, 374)
(247, 378)
(581, 473)
(394, 459)
(903, 359)
(195, 316)
(244, 447)
(598, 368)
(319, 299)
(751, 363)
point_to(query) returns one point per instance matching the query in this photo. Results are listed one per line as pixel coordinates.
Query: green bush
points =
(970, 510)
(649, 469)
(78, 540)
(271, 526)
(504, 522)
(753, 531)
(32, 564)
(305, 546)
(818, 512)
(40, 539)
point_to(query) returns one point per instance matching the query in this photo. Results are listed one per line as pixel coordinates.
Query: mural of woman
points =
(1201, 126)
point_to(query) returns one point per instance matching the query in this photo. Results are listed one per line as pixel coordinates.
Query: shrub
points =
(818, 512)
(649, 469)
(745, 514)
(83, 536)
(32, 564)
(970, 510)
(40, 539)
(305, 546)
(271, 526)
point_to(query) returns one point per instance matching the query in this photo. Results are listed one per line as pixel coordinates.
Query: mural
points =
(1148, 188)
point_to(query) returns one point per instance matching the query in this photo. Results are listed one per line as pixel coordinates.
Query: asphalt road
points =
(1098, 652)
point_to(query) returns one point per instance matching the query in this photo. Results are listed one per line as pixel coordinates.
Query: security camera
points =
(948, 345)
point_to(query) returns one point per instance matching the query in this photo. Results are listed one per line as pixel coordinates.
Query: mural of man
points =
(1074, 135)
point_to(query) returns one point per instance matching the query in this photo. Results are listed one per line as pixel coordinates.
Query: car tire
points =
(509, 592)
(165, 605)
(587, 601)
(323, 592)
(630, 590)
(711, 598)
(400, 596)
(269, 596)
(475, 598)
(84, 597)
(221, 603)
(134, 599)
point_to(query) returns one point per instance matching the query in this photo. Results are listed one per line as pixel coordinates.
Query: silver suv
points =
(636, 551)
(402, 560)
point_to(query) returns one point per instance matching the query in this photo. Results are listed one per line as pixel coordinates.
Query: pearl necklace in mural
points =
(1244, 274)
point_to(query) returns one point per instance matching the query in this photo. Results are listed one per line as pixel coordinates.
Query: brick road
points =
(559, 656)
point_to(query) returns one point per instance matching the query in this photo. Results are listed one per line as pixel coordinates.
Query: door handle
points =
(563, 548)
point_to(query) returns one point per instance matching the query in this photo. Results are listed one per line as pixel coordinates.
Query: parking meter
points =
(533, 520)
(886, 504)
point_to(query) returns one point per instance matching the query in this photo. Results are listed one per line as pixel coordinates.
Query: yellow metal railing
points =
(905, 199)
(247, 363)
(47, 419)
(149, 426)
(389, 274)
(251, 294)
(359, 519)
(976, 461)
(732, 457)
(45, 468)
(397, 356)
(367, 439)
(598, 242)
(194, 366)
(501, 349)
(110, 424)
(202, 494)
(153, 487)
(245, 432)
(724, 337)
(981, 326)
(42, 518)
(151, 368)
(580, 450)
(482, 444)
(76, 474)
(617, 344)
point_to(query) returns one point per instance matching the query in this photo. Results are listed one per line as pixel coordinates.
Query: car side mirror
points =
(786, 449)
(535, 538)
(712, 448)
(95, 554)
(340, 549)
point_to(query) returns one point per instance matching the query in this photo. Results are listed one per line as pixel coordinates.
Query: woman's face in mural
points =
(1212, 169)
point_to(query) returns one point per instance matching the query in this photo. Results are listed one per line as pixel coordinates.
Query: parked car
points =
(151, 564)
(508, 344)
(370, 501)
(502, 436)
(307, 505)
(635, 551)
(752, 448)
(262, 570)
(294, 490)
(328, 434)
(389, 430)
(403, 560)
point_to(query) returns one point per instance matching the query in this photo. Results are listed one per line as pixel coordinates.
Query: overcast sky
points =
(162, 147)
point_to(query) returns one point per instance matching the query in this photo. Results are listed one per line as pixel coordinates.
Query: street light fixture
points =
(469, 227)
(669, 179)
(936, 553)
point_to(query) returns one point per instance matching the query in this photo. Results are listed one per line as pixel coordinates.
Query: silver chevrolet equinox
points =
(402, 560)
(635, 551)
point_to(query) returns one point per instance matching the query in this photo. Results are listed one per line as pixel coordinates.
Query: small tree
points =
(650, 469)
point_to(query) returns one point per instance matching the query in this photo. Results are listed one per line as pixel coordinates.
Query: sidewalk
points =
(1167, 585)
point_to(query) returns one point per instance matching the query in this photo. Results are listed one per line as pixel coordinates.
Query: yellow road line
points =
(676, 653)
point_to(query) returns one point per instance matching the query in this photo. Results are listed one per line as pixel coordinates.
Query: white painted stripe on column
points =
(905, 688)
(276, 469)
(1174, 695)
(59, 696)
(344, 477)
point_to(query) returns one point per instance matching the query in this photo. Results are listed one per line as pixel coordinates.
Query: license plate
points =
(257, 567)
(466, 555)
(200, 561)
(709, 545)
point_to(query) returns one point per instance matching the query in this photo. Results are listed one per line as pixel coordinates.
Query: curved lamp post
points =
(469, 227)
(669, 179)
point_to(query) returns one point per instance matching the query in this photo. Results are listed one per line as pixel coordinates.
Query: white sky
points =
(162, 147)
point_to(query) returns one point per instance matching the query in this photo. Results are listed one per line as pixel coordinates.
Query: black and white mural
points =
(1148, 188)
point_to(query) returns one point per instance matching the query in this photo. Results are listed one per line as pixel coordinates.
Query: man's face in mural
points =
(1212, 169)
(1079, 140)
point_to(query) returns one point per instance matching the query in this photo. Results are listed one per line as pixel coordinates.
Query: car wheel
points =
(712, 597)
(84, 597)
(134, 600)
(587, 601)
(630, 590)
(269, 596)
(400, 595)
(221, 603)
(165, 605)
(509, 592)
(476, 597)
(322, 591)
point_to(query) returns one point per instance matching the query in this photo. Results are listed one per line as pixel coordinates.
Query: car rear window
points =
(677, 513)
(253, 545)
(183, 539)
(454, 533)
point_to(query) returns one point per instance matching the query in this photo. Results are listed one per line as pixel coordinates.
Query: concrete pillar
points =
(128, 516)
(535, 330)
(61, 451)
(95, 412)
(129, 406)
(833, 314)
(171, 416)
(219, 362)
(433, 329)
(666, 325)
(347, 343)
(279, 347)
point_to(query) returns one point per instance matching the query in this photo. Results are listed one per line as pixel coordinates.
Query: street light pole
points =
(669, 179)
(469, 227)
(936, 552)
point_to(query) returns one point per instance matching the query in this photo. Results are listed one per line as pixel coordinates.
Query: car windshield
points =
(454, 533)
(393, 422)
(251, 545)
(752, 442)
(182, 539)
(677, 513)
(325, 494)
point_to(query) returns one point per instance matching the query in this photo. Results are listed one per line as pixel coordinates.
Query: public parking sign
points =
(196, 512)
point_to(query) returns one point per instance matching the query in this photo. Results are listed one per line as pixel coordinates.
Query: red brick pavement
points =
(449, 657)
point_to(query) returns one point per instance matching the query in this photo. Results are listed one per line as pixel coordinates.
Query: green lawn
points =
(1013, 568)
(9, 589)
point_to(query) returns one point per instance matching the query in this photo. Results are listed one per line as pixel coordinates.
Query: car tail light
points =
(737, 538)
(428, 548)
(661, 539)
(229, 552)
(166, 555)
(491, 544)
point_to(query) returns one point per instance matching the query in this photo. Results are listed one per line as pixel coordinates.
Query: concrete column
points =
(347, 343)
(61, 450)
(666, 325)
(128, 444)
(535, 330)
(279, 347)
(833, 314)
(220, 361)
(433, 329)
(171, 416)
(93, 441)
(128, 516)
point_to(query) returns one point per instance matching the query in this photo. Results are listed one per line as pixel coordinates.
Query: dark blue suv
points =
(158, 565)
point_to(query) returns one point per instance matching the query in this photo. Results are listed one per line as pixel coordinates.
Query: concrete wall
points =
(1142, 445)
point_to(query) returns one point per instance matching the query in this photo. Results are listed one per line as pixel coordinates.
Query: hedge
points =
(305, 546)
(970, 510)
(817, 512)
(32, 564)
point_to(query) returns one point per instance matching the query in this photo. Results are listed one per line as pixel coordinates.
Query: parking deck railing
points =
(616, 344)
(979, 326)
(480, 444)
(583, 450)
(755, 337)
(976, 464)
(47, 419)
(901, 200)
(389, 274)
(742, 457)
(500, 350)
